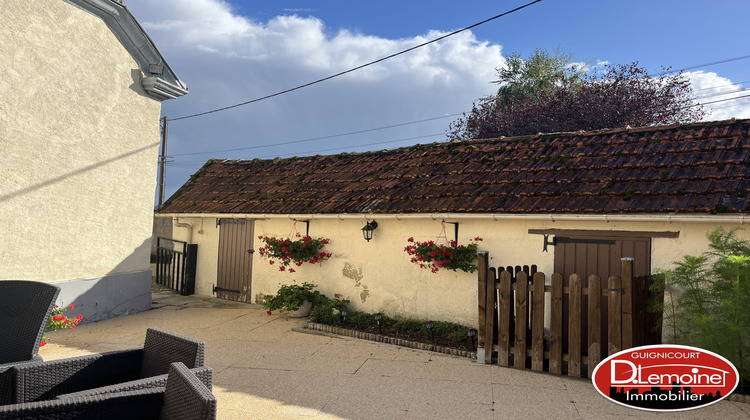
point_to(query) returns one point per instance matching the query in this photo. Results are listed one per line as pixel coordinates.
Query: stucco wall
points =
(78, 147)
(377, 276)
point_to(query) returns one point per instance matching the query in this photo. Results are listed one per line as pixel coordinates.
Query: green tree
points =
(548, 93)
(706, 300)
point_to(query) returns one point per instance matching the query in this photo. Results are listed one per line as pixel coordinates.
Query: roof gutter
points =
(160, 81)
(667, 218)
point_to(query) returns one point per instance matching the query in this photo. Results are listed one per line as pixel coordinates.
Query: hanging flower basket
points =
(449, 257)
(293, 252)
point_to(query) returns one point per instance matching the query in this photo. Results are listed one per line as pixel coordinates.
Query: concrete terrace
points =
(263, 369)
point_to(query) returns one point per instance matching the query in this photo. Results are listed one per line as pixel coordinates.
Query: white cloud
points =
(226, 59)
(710, 87)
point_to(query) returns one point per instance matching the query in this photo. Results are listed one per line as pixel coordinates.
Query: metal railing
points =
(175, 265)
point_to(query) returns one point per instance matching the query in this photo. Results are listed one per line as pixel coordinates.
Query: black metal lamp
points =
(367, 230)
(343, 313)
(472, 333)
(430, 325)
(378, 316)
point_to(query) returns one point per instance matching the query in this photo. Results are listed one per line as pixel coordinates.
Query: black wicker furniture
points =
(184, 397)
(104, 372)
(25, 307)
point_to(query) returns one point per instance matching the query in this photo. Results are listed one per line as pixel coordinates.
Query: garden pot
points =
(441, 263)
(303, 311)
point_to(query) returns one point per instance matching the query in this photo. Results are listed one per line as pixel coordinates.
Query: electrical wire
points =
(369, 130)
(327, 150)
(356, 68)
(186, 163)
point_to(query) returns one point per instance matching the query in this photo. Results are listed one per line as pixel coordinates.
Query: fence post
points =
(574, 326)
(594, 323)
(626, 275)
(482, 277)
(614, 315)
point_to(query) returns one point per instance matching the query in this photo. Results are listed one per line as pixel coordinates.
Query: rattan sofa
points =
(25, 307)
(104, 372)
(184, 397)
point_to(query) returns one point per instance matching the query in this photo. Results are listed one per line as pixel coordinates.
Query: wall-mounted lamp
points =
(367, 230)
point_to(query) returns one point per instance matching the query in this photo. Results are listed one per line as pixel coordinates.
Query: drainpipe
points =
(188, 226)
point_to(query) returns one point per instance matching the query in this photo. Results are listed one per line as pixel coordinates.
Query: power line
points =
(728, 60)
(413, 138)
(358, 67)
(343, 147)
(369, 130)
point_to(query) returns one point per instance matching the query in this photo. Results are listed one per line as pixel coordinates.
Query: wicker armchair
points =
(129, 369)
(25, 307)
(184, 397)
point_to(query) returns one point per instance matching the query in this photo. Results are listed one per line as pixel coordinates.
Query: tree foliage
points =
(547, 93)
(706, 300)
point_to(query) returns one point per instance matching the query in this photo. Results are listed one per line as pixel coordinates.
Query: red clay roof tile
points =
(695, 168)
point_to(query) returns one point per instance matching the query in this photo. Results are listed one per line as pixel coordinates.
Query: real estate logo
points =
(665, 378)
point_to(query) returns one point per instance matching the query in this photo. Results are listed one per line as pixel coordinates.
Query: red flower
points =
(410, 239)
(72, 327)
(325, 241)
(58, 317)
(291, 270)
(79, 317)
(67, 321)
(71, 306)
(336, 295)
(268, 312)
(434, 253)
(284, 249)
(271, 262)
(446, 252)
(42, 344)
(477, 239)
(282, 268)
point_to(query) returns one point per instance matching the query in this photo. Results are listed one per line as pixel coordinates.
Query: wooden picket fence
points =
(511, 319)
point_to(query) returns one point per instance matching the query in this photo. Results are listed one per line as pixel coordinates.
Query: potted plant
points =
(59, 321)
(296, 299)
(293, 251)
(450, 257)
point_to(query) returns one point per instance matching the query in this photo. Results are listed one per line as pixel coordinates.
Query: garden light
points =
(472, 332)
(430, 325)
(343, 313)
(378, 316)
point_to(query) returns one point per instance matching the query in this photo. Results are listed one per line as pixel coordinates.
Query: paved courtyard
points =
(263, 369)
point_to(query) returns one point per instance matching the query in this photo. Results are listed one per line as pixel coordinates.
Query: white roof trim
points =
(160, 82)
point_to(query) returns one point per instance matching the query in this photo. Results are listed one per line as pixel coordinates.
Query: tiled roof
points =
(697, 168)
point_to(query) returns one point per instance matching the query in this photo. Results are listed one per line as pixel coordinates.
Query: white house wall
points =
(78, 158)
(378, 276)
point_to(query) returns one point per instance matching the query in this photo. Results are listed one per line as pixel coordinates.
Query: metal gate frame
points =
(175, 268)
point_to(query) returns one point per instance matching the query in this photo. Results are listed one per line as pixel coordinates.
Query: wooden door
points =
(598, 254)
(235, 261)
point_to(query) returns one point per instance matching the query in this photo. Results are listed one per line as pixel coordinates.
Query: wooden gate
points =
(511, 318)
(234, 271)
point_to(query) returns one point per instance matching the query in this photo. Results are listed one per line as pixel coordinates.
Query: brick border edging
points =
(331, 329)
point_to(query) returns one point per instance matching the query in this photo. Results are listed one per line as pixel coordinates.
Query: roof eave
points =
(160, 81)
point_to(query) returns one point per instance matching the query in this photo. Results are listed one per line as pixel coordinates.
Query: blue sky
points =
(235, 51)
